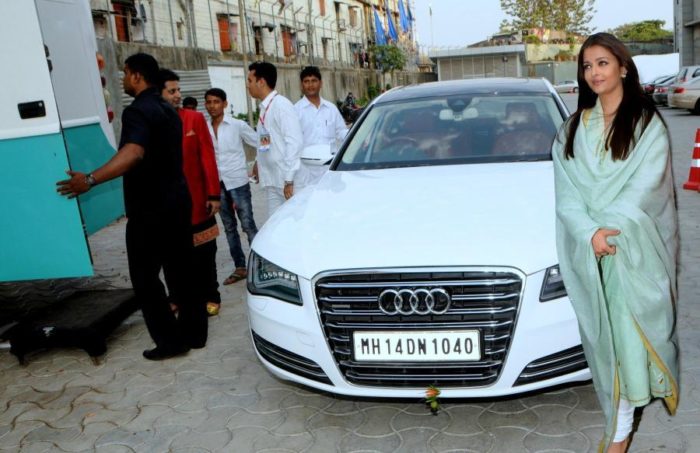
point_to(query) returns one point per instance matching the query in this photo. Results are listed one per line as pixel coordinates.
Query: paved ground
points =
(221, 398)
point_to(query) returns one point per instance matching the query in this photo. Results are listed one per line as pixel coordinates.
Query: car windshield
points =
(454, 130)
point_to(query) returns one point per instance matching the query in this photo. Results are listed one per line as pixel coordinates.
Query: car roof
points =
(470, 86)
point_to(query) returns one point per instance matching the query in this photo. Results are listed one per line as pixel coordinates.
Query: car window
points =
(454, 130)
(661, 79)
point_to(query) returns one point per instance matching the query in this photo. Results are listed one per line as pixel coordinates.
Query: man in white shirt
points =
(321, 123)
(279, 134)
(228, 135)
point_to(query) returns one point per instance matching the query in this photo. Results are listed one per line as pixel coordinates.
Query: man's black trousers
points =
(155, 244)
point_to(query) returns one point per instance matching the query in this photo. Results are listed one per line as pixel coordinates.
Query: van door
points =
(68, 32)
(41, 232)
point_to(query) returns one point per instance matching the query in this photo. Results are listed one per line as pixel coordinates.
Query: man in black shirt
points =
(158, 208)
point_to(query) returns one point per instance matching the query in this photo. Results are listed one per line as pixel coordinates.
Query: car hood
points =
(458, 215)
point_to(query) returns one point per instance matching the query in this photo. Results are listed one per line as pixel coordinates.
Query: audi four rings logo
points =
(419, 301)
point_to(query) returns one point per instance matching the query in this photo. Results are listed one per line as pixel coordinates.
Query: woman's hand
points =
(599, 241)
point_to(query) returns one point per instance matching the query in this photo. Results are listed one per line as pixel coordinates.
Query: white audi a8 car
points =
(426, 254)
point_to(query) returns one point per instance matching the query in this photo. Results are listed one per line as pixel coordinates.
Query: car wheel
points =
(696, 110)
(575, 89)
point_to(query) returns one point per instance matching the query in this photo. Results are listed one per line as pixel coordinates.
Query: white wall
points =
(653, 66)
(231, 79)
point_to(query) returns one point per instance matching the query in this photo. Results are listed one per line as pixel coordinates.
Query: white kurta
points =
(320, 125)
(281, 160)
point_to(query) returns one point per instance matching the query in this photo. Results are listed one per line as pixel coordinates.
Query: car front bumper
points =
(293, 343)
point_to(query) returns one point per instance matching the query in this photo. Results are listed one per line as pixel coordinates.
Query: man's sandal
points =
(237, 275)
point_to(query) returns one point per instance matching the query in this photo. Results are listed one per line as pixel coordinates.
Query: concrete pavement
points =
(221, 399)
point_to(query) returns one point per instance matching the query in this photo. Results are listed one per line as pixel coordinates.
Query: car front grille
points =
(551, 366)
(485, 300)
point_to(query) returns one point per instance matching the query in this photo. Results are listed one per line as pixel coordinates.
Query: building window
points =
(99, 21)
(123, 12)
(180, 30)
(228, 33)
(259, 49)
(322, 7)
(324, 42)
(353, 17)
(288, 41)
(233, 27)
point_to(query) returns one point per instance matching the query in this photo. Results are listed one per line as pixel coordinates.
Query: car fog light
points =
(553, 285)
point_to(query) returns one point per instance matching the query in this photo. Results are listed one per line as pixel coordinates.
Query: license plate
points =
(417, 346)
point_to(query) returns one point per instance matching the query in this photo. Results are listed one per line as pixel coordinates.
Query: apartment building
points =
(325, 32)
(687, 31)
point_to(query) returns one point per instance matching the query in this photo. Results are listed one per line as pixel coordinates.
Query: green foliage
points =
(373, 91)
(646, 30)
(570, 16)
(432, 395)
(505, 27)
(564, 55)
(533, 39)
(244, 116)
(389, 58)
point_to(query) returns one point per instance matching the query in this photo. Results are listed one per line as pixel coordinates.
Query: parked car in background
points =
(567, 86)
(686, 73)
(649, 87)
(672, 92)
(426, 254)
(686, 96)
(660, 95)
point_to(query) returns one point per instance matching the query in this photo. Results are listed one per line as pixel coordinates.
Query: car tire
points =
(696, 110)
(575, 89)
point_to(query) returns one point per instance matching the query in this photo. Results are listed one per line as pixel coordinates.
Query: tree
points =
(505, 26)
(526, 13)
(389, 58)
(646, 30)
(570, 16)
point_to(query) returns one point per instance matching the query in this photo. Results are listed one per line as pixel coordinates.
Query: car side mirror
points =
(317, 154)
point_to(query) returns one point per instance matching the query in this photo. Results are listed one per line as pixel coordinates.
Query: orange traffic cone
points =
(694, 177)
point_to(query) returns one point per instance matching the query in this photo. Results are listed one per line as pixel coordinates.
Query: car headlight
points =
(268, 279)
(553, 285)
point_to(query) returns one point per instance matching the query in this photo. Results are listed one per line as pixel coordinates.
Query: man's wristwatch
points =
(90, 180)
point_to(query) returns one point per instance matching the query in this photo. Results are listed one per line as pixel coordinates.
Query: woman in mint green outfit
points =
(617, 236)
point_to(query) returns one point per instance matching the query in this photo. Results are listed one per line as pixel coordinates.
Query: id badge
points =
(264, 139)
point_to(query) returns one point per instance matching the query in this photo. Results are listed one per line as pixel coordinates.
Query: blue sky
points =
(463, 22)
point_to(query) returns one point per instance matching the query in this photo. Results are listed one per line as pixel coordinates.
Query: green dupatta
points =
(625, 304)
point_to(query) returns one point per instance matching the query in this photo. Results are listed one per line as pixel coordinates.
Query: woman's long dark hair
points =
(634, 107)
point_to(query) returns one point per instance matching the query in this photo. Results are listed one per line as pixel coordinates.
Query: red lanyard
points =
(262, 118)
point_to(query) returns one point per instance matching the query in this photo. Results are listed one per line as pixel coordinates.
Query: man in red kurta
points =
(199, 164)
